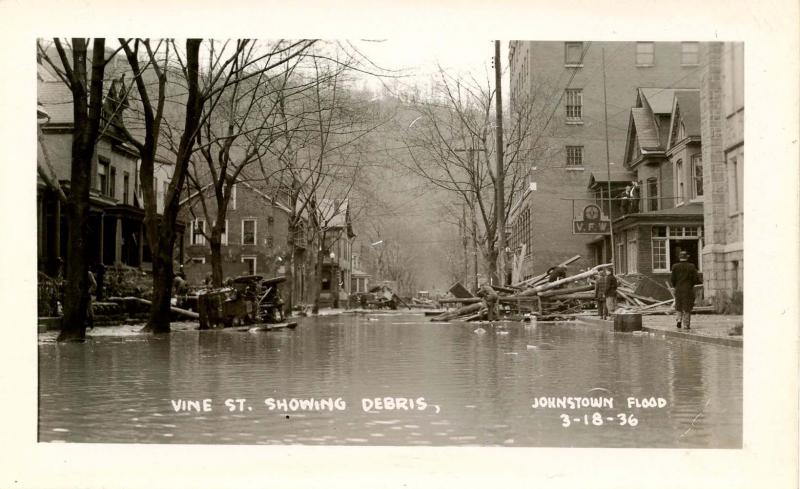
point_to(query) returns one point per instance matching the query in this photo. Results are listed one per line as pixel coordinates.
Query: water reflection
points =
(121, 387)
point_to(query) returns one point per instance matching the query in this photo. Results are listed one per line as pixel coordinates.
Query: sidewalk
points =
(710, 328)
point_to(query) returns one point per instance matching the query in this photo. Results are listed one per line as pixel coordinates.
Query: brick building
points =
(722, 128)
(564, 80)
(255, 237)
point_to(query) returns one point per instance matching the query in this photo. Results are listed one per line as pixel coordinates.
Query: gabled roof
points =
(685, 109)
(658, 99)
(646, 129)
(56, 99)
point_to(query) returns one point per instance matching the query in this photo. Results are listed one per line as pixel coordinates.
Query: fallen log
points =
(176, 310)
(461, 311)
(552, 285)
(468, 300)
(570, 290)
(541, 276)
(588, 295)
(662, 303)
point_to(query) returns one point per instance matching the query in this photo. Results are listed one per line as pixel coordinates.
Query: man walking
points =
(684, 278)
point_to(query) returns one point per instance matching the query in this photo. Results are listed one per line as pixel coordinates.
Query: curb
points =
(717, 340)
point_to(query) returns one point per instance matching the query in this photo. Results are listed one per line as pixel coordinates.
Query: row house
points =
(117, 232)
(663, 153)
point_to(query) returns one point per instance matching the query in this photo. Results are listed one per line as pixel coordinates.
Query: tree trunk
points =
(215, 243)
(290, 272)
(317, 280)
(86, 109)
(163, 275)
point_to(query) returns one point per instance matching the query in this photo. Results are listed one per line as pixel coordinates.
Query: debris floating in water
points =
(480, 331)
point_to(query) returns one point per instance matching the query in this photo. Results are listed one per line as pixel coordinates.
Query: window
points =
(645, 54)
(697, 175)
(652, 194)
(112, 182)
(680, 179)
(690, 53)
(733, 75)
(574, 156)
(223, 239)
(574, 104)
(198, 230)
(573, 54)
(270, 242)
(660, 254)
(197, 260)
(668, 241)
(251, 264)
(233, 197)
(102, 176)
(633, 251)
(248, 231)
(734, 171)
(356, 259)
(126, 181)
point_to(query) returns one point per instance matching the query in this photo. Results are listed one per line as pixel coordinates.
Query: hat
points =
(683, 255)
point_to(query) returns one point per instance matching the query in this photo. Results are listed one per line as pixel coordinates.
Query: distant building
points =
(337, 250)
(722, 128)
(564, 82)
(255, 237)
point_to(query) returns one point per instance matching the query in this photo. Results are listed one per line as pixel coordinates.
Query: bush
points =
(49, 294)
(125, 281)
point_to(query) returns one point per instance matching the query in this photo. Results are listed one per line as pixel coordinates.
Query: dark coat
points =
(684, 278)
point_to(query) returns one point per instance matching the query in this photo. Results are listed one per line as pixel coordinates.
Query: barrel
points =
(626, 323)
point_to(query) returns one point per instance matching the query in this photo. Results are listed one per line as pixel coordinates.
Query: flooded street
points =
(327, 383)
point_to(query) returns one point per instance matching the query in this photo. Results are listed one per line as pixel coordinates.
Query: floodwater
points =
(446, 385)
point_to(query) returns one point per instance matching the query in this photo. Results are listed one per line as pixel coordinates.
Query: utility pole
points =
(608, 162)
(499, 189)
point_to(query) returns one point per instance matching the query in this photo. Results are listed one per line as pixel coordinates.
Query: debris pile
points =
(554, 296)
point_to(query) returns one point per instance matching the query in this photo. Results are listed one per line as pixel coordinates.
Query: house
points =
(255, 236)
(662, 150)
(336, 245)
(117, 232)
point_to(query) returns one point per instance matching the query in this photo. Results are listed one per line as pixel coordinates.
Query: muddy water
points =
(391, 380)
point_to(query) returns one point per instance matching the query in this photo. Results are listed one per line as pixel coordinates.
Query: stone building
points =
(564, 81)
(722, 128)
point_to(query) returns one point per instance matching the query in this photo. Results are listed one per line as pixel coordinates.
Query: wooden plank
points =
(539, 277)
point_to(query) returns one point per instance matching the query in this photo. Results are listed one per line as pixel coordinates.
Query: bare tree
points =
(452, 145)
(322, 120)
(237, 134)
(86, 85)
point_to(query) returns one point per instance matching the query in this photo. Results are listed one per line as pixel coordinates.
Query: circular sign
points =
(591, 213)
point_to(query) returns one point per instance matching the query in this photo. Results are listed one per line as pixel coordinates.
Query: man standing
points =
(600, 285)
(489, 296)
(684, 278)
(611, 291)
